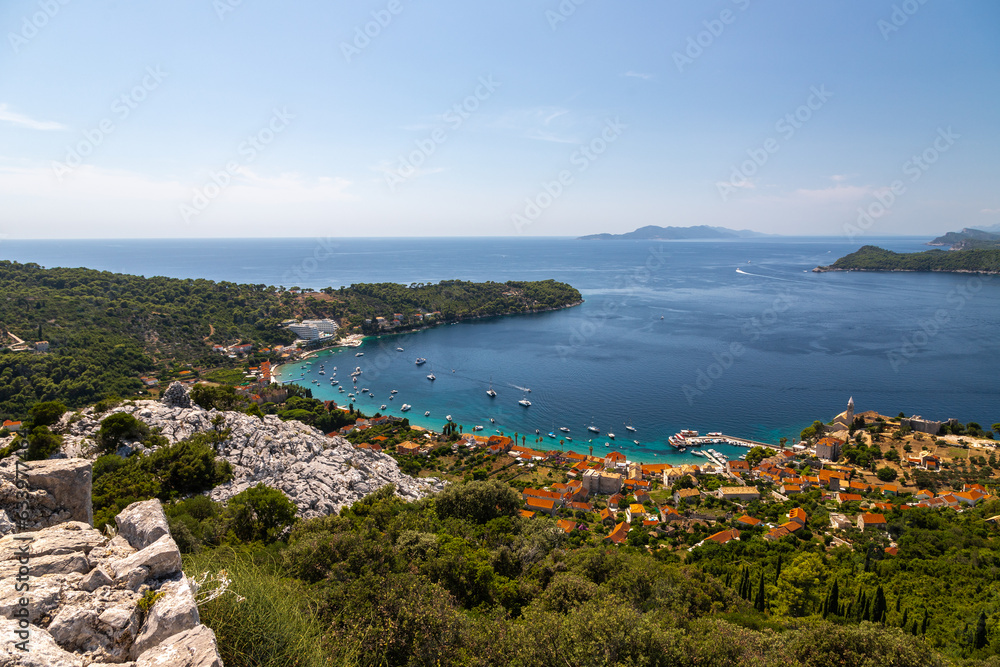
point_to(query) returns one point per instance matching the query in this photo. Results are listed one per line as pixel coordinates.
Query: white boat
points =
(552, 435)
(611, 435)
(364, 390)
(427, 413)
(360, 354)
(394, 391)
(421, 360)
(564, 429)
(525, 402)
(636, 442)
(697, 453)
(341, 389)
(607, 444)
(448, 417)
(431, 377)
(490, 392)
(406, 406)
(629, 427)
(593, 429)
(714, 434)
(350, 395)
(322, 373)
(399, 349)
(493, 421)
(383, 407)
(477, 428)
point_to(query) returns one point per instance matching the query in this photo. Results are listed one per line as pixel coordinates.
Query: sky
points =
(257, 118)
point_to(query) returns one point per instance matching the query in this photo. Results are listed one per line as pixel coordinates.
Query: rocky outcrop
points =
(50, 492)
(319, 474)
(176, 396)
(82, 605)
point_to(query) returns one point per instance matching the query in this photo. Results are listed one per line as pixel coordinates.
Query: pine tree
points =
(760, 604)
(979, 639)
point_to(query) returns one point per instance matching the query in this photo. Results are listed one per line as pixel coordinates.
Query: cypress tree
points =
(878, 606)
(777, 572)
(833, 604)
(899, 599)
(923, 626)
(902, 624)
(729, 579)
(759, 603)
(979, 639)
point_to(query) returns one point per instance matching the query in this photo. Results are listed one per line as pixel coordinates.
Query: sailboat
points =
(490, 392)
(629, 427)
(592, 428)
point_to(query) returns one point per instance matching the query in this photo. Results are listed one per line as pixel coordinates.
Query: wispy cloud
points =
(990, 210)
(21, 120)
(638, 75)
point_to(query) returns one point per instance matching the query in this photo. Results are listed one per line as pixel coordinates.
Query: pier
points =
(702, 440)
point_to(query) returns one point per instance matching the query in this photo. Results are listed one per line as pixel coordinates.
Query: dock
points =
(702, 440)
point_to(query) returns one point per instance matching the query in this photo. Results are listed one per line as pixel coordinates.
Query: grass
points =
(272, 626)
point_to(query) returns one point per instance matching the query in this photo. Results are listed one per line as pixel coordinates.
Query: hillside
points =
(655, 233)
(968, 239)
(873, 258)
(106, 329)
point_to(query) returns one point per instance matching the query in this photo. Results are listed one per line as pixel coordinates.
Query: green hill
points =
(873, 258)
(106, 329)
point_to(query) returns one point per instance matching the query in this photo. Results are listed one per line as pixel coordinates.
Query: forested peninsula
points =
(873, 258)
(105, 330)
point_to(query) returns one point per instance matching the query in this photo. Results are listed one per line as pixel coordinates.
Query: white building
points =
(311, 329)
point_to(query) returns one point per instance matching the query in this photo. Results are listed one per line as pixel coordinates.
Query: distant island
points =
(655, 233)
(968, 239)
(873, 258)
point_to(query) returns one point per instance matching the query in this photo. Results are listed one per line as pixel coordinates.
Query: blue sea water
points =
(732, 336)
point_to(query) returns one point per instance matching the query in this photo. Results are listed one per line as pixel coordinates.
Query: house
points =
(690, 495)
(890, 490)
(668, 513)
(737, 467)
(776, 534)
(839, 521)
(11, 426)
(740, 493)
(542, 494)
(748, 520)
(614, 460)
(798, 515)
(848, 498)
(580, 507)
(620, 533)
(635, 512)
(723, 536)
(541, 505)
(406, 447)
(867, 520)
(828, 449)
(615, 501)
(525, 514)
(790, 489)
(606, 515)
(923, 494)
(567, 525)
(969, 498)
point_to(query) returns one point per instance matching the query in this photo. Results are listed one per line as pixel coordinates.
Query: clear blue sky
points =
(115, 117)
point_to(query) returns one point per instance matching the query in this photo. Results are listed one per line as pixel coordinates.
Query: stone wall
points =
(81, 604)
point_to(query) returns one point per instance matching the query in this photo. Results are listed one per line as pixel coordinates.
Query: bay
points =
(733, 336)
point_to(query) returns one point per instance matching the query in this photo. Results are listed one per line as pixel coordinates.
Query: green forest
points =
(106, 329)
(873, 258)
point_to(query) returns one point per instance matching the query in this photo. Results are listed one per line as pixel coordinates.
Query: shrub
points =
(119, 428)
(260, 513)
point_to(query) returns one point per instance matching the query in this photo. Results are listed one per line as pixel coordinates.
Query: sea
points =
(735, 336)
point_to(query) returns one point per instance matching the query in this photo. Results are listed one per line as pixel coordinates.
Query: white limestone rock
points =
(42, 649)
(175, 612)
(142, 523)
(192, 648)
(162, 558)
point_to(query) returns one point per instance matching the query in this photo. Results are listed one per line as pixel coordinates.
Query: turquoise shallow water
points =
(739, 337)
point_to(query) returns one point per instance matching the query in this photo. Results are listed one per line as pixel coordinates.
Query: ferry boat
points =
(421, 360)
(406, 406)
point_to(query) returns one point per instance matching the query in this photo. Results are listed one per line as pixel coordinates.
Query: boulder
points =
(95, 579)
(68, 480)
(171, 614)
(176, 396)
(42, 565)
(142, 523)
(162, 558)
(192, 648)
(64, 538)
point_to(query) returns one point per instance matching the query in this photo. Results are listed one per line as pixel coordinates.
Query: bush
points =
(119, 428)
(477, 501)
(260, 513)
(42, 443)
(46, 414)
